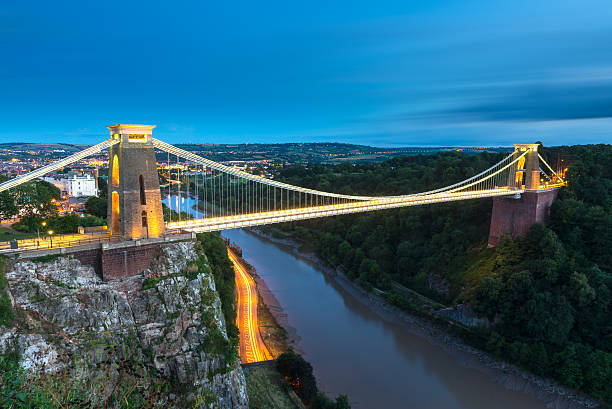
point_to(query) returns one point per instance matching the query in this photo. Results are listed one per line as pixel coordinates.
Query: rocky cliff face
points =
(159, 340)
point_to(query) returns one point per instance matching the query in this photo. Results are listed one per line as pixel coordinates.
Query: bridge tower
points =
(514, 216)
(134, 199)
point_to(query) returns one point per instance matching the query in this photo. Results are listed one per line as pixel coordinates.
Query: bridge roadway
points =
(261, 218)
(252, 347)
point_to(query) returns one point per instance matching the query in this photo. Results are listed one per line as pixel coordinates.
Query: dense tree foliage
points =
(213, 246)
(102, 187)
(8, 207)
(58, 224)
(547, 297)
(6, 309)
(402, 244)
(96, 206)
(298, 373)
(31, 199)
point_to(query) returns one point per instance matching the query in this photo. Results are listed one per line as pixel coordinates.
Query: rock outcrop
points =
(162, 337)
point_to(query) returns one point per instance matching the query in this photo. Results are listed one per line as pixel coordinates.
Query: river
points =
(354, 351)
(376, 362)
(182, 203)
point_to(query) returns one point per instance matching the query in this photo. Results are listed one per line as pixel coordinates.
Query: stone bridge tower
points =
(514, 216)
(134, 199)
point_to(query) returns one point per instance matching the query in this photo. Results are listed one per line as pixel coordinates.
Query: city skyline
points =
(404, 74)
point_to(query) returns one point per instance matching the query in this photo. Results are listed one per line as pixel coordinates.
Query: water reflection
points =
(372, 358)
(183, 203)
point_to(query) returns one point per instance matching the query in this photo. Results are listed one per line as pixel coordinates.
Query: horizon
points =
(296, 143)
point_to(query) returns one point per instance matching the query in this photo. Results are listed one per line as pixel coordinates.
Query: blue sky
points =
(388, 73)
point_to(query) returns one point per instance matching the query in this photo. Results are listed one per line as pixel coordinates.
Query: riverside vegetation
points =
(545, 300)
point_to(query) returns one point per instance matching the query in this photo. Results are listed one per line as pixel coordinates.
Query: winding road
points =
(252, 347)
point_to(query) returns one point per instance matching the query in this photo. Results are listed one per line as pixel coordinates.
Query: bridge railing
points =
(56, 243)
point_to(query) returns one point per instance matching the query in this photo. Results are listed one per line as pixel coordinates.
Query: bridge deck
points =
(262, 218)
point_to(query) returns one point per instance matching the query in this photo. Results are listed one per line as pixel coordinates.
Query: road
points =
(252, 347)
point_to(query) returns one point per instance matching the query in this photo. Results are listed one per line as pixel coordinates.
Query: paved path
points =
(57, 241)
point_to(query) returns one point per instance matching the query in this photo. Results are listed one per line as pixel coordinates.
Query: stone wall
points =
(114, 260)
(90, 257)
(115, 263)
(514, 217)
(137, 165)
(125, 262)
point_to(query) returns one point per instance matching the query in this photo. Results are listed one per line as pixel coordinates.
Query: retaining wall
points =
(514, 217)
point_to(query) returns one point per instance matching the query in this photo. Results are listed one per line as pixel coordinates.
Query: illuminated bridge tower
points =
(514, 216)
(134, 200)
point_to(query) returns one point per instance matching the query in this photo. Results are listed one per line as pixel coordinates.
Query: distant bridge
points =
(232, 198)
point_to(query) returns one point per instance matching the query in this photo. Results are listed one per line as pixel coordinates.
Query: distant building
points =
(81, 185)
(75, 185)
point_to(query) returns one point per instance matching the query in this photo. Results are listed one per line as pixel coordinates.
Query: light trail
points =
(252, 346)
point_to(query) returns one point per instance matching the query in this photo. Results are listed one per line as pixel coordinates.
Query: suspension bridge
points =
(228, 197)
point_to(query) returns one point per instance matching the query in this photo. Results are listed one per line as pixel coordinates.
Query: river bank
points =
(508, 376)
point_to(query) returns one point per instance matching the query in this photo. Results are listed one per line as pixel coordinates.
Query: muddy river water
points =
(377, 362)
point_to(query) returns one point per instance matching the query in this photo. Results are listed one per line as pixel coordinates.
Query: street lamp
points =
(38, 233)
(51, 236)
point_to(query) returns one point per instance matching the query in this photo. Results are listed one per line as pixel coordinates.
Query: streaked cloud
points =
(391, 73)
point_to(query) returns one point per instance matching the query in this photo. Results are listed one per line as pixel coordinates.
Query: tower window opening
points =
(144, 218)
(143, 198)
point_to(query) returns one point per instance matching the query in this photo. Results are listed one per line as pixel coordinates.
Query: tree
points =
(485, 301)
(102, 187)
(516, 292)
(580, 289)
(97, 206)
(298, 373)
(8, 208)
(321, 401)
(567, 367)
(537, 359)
(214, 247)
(37, 199)
(547, 295)
(549, 318)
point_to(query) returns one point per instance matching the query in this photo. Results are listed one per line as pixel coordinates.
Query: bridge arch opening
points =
(115, 214)
(115, 171)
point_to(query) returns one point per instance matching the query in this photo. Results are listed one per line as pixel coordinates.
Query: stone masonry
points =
(134, 201)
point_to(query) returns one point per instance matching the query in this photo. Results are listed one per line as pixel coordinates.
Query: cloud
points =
(542, 102)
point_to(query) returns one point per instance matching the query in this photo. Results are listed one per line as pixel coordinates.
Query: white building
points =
(81, 185)
(75, 185)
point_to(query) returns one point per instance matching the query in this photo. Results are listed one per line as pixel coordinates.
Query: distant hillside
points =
(317, 152)
(285, 152)
(42, 147)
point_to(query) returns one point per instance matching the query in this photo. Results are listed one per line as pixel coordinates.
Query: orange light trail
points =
(252, 347)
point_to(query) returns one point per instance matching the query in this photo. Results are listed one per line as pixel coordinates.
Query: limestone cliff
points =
(160, 341)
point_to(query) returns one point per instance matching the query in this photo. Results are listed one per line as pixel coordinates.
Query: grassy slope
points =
(266, 388)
